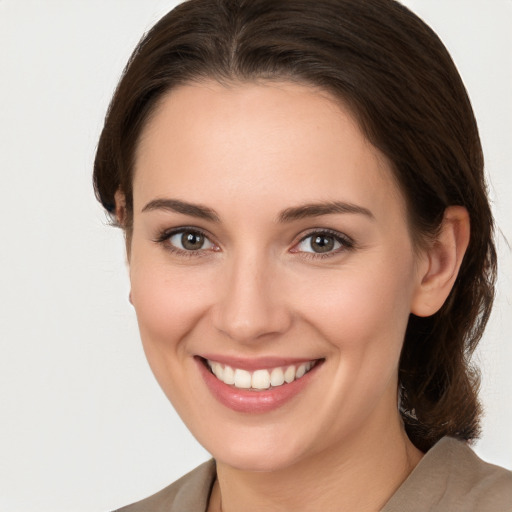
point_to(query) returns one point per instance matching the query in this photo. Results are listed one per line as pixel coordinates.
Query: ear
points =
(442, 262)
(120, 200)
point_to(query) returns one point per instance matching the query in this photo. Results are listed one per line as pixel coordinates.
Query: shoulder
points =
(190, 493)
(452, 477)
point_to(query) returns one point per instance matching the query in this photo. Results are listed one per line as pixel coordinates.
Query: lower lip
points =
(248, 401)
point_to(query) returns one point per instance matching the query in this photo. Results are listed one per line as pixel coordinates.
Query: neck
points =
(362, 473)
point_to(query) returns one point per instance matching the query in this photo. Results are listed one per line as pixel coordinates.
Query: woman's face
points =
(269, 240)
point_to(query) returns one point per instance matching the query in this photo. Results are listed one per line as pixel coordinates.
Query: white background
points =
(83, 424)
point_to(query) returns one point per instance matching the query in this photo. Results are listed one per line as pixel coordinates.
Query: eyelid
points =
(347, 243)
(165, 235)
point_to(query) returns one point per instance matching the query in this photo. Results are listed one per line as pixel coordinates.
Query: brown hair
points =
(398, 79)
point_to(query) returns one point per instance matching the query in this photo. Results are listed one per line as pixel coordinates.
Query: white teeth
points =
(289, 374)
(242, 379)
(301, 370)
(229, 376)
(259, 379)
(277, 377)
(218, 370)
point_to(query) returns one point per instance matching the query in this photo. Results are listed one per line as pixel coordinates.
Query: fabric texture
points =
(449, 478)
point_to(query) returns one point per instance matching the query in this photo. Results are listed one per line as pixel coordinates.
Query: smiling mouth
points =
(261, 379)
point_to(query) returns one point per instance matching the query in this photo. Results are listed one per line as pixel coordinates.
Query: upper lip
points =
(256, 363)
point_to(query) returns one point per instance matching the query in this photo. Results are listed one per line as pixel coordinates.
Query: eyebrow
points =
(175, 205)
(318, 209)
(287, 215)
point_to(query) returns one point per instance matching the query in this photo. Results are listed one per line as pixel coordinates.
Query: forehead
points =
(282, 141)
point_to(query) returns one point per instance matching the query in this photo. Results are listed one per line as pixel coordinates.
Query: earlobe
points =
(442, 262)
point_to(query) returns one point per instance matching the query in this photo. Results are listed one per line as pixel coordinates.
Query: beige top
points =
(449, 478)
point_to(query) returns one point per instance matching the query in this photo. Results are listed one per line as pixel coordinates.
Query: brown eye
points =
(323, 243)
(189, 240)
(192, 241)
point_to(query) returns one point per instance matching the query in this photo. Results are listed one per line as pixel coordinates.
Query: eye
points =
(323, 242)
(188, 240)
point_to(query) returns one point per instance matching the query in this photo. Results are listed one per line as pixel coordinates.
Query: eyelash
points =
(346, 243)
(165, 236)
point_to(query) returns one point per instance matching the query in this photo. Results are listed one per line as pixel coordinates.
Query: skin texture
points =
(256, 289)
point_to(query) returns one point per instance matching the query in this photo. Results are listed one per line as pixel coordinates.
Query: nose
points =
(251, 305)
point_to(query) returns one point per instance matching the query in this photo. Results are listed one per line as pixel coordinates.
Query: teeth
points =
(218, 370)
(259, 379)
(229, 376)
(289, 374)
(301, 370)
(277, 377)
(242, 379)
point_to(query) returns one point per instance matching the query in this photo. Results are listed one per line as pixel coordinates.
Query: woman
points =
(310, 243)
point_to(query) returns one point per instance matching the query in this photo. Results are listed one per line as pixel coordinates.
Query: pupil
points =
(192, 241)
(322, 243)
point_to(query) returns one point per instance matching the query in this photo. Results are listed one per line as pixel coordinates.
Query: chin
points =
(261, 454)
(256, 461)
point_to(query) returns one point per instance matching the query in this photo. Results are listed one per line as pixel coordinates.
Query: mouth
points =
(257, 385)
(262, 379)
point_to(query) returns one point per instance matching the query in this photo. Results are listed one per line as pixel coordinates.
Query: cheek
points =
(358, 309)
(362, 316)
(168, 301)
